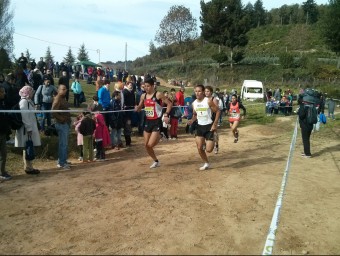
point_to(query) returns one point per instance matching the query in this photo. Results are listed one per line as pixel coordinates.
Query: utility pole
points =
(98, 51)
(125, 54)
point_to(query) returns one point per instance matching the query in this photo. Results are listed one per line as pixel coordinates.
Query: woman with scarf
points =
(29, 128)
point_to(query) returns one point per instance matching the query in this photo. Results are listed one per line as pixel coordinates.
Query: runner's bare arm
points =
(217, 110)
(193, 119)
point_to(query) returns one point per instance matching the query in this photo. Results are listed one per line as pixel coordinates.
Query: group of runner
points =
(205, 111)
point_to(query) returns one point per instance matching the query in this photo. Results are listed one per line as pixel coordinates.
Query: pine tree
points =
(48, 55)
(83, 54)
(260, 13)
(311, 11)
(6, 26)
(225, 23)
(28, 55)
(5, 63)
(69, 58)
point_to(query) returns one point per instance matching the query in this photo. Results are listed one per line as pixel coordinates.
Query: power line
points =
(42, 40)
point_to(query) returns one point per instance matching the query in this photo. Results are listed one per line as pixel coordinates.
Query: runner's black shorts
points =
(204, 131)
(153, 125)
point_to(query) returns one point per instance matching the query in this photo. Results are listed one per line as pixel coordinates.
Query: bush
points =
(220, 57)
(286, 60)
(303, 62)
(238, 56)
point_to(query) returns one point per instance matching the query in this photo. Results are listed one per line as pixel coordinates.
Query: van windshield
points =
(254, 90)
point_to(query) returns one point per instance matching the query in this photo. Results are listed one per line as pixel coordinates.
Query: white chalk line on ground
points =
(269, 244)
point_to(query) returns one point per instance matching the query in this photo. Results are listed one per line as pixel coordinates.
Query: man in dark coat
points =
(65, 80)
(5, 131)
(306, 129)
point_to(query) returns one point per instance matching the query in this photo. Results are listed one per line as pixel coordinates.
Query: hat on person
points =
(25, 91)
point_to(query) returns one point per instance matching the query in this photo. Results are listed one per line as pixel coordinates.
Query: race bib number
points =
(149, 111)
(235, 115)
(202, 112)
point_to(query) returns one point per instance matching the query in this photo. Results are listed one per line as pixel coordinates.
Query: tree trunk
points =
(181, 50)
(231, 58)
(338, 65)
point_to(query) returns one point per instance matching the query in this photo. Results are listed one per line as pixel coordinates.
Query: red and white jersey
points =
(234, 112)
(152, 107)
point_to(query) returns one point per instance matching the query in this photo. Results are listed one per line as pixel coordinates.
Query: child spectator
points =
(101, 136)
(275, 104)
(86, 128)
(192, 127)
(79, 135)
(290, 103)
(173, 119)
(165, 126)
(116, 122)
(269, 107)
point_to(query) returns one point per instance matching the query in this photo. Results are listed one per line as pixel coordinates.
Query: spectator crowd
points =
(110, 114)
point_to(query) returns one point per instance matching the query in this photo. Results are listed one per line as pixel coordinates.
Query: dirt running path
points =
(122, 207)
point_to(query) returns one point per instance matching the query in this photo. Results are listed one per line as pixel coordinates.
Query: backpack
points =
(312, 114)
(15, 118)
(311, 95)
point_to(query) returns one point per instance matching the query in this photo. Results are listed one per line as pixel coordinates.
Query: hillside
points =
(298, 38)
(314, 64)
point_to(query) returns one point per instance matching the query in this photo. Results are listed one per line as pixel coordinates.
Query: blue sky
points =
(105, 27)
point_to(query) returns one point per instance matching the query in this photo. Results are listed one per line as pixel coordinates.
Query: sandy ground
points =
(122, 207)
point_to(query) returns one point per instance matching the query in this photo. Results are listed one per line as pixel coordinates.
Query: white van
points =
(252, 90)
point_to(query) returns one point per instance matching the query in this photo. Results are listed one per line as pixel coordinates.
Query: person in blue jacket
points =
(77, 90)
(104, 98)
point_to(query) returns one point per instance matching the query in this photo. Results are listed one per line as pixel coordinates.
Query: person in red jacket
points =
(101, 136)
(180, 96)
(180, 101)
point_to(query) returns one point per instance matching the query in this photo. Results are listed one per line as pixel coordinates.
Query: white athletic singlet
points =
(203, 111)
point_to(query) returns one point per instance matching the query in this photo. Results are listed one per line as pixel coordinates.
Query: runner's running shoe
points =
(204, 167)
(155, 164)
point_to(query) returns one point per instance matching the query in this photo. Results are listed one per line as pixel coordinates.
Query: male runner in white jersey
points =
(202, 112)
